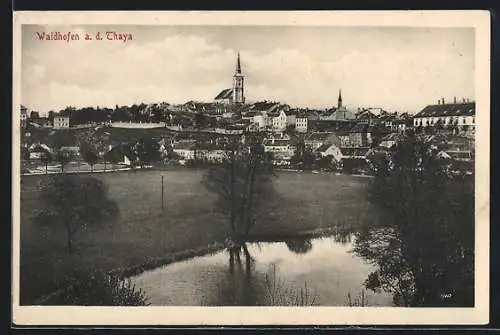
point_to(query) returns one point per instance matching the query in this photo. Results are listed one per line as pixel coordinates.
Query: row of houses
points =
(278, 117)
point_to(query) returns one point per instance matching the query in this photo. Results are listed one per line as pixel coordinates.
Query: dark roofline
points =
(453, 109)
(224, 94)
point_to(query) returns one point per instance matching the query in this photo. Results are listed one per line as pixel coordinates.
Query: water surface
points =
(322, 267)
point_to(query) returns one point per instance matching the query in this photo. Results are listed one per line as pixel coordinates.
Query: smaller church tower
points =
(339, 102)
(238, 84)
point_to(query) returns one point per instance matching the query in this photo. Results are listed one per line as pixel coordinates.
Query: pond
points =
(320, 271)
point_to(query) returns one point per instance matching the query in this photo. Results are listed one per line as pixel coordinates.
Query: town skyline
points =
(203, 59)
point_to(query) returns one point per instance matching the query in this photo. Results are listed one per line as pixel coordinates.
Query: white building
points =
(328, 149)
(301, 124)
(279, 122)
(316, 140)
(61, 122)
(454, 114)
(281, 148)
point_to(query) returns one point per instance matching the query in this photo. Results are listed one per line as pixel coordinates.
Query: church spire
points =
(238, 84)
(238, 65)
(339, 102)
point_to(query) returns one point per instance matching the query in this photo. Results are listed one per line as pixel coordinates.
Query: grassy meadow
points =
(308, 201)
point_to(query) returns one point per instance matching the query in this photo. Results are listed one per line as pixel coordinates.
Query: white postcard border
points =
(38, 315)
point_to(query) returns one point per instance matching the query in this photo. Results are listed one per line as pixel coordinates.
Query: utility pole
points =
(162, 196)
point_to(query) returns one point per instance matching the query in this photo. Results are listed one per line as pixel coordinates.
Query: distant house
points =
(302, 118)
(73, 149)
(281, 148)
(184, 150)
(61, 122)
(389, 141)
(361, 135)
(330, 125)
(338, 113)
(370, 115)
(279, 120)
(316, 140)
(210, 153)
(36, 150)
(224, 97)
(328, 149)
(24, 116)
(401, 124)
(34, 115)
(446, 114)
(259, 119)
(301, 122)
(355, 153)
(460, 148)
(263, 114)
(341, 113)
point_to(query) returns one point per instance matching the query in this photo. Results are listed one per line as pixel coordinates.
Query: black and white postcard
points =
(251, 168)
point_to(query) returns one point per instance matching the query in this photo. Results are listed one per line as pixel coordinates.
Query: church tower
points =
(339, 102)
(238, 84)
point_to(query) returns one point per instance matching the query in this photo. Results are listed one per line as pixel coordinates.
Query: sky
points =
(398, 69)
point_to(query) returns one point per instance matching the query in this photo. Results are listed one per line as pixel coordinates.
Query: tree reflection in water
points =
(343, 236)
(299, 245)
(243, 285)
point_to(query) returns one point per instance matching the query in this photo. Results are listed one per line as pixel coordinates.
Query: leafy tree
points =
(63, 139)
(76, 202)
(45, 159)
(378, 132)
(25, 153)
(50, 116)
(113, 156)
(92, 144)
(63, 157)
(89, 155)
(424, 246)
(325, 163)
(308, 158)
(147, 151)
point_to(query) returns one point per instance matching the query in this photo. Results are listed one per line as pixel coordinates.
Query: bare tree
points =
(244, 187)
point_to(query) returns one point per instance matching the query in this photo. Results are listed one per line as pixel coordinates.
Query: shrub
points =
(101, 290)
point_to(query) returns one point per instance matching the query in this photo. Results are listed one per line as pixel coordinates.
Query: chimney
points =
(463, 100)
(454, 100)
(442, 101)
(439, 101)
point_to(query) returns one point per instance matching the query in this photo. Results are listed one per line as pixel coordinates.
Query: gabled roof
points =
(324, 147)
(459, 109)
(224, 94)
(251, 114)
(318, 136)
(363, 115)
(265, 106)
